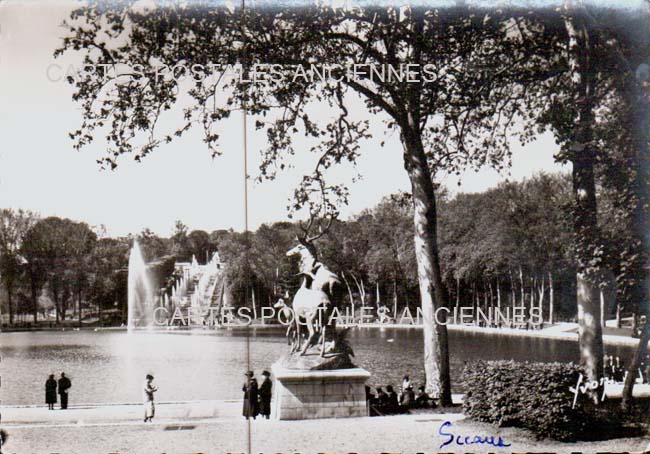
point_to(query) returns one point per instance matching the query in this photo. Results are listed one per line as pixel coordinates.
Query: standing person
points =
(612, 367)
(606, 367)
(64, 385)
(250, 396)
(619, 371)
(147, 394)
(406, 382)
(265, 395)
(50, 392)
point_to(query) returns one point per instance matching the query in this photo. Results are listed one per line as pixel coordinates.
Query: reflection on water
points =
(109, 366)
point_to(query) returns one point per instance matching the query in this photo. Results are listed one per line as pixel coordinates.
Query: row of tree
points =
(57, 265)
(509, 246)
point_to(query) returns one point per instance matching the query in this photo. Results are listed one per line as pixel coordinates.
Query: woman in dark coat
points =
(50, 392)
(265, 395)
(250, 396)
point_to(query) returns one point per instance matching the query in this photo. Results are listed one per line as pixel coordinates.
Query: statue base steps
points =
(305, 394)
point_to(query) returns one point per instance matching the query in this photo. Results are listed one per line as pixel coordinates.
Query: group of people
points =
(391, 402)
(613, 368)
(257, 399)
(52, 388)
(62, 387)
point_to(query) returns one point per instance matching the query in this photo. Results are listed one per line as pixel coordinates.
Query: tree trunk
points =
(498, 294)
(542, 291)
(474, 296)
(395, 299)
(457, 292)
(491, 293)
(347, 284)
(485, 295)
(9, 288)
(513, 291)
(589, 329)
(521, 284)
(34, 298)
(79, 307)
(64, 307)
(432, 291)
(639, 354)
(550, 297)
(254, 304)
(602, 307)
(533, 287)
(361, 289)
(582, 156)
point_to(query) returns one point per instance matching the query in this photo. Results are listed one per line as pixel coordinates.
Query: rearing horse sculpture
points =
(314, 293)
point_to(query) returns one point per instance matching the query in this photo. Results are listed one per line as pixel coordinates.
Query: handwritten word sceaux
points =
(462, 440)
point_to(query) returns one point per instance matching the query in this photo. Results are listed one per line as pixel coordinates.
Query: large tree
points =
(622, 130)
(600, 48)
(61, 247)
(13, 227)
(455, 114)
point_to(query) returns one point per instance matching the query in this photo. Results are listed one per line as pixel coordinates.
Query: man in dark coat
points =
(265, 395)
(50, 392)
(392, 401)
(250, 396)
(422, 400)
(64, 386)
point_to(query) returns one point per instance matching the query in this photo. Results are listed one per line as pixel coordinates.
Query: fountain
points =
(140, 291)
(194, 286)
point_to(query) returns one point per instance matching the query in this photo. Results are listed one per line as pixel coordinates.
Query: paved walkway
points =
(169, 412)
(405, 434)
(103, 414)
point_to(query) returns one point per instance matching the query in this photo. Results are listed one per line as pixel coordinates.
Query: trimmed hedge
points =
(534, 396)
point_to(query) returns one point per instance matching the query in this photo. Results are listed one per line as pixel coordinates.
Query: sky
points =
(40, 171)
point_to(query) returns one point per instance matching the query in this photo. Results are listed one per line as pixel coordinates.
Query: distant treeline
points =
(511, 245)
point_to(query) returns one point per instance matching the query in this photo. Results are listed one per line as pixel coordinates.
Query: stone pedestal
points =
(307, 394)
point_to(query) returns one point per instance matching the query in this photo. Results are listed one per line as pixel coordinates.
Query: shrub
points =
(534, 396)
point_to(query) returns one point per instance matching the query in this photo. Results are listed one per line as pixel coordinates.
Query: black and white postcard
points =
(324, 226)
